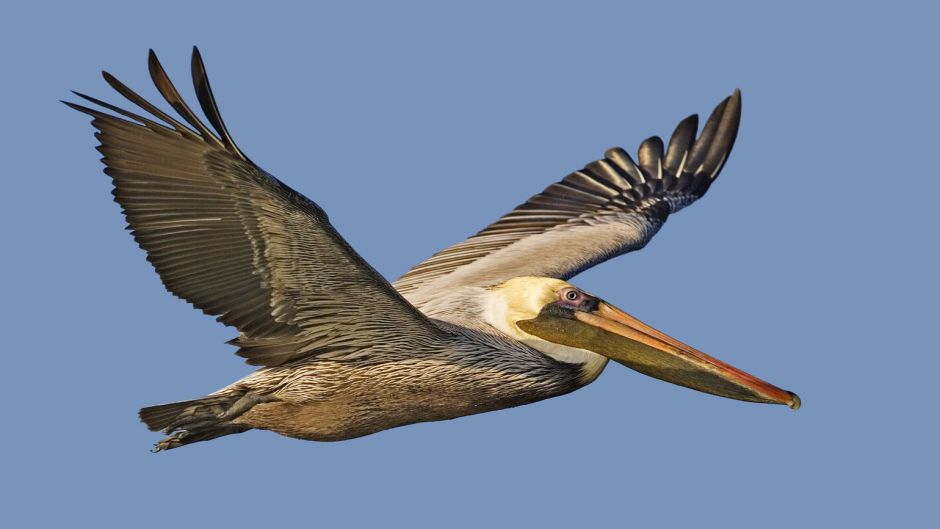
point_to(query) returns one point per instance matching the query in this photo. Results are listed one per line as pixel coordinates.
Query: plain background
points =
(811, 263)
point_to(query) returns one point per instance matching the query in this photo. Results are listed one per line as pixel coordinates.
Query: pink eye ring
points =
(570, 294)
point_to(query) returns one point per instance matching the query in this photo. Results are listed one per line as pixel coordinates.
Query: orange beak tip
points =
(794, 403)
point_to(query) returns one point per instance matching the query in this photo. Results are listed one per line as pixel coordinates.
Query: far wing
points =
(610, 207)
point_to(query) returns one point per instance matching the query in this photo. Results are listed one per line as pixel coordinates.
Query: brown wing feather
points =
(237, 243)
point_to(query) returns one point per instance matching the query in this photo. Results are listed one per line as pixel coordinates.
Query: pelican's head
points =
(573, 326)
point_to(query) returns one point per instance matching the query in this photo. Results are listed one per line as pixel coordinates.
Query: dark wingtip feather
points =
(700, 147)
(136, 117)
(208, 104)
(714, 143)
(725, 135)
(650, 155)
(78, 107)
(169, 92)
(83, 109)
(133, 97)
(89, 98)
(153, 63)
(680, 143)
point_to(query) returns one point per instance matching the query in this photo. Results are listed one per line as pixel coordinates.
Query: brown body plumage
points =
(324, 400)
(343, 353)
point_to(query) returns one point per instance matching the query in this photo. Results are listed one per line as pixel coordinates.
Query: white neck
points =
(497, 313)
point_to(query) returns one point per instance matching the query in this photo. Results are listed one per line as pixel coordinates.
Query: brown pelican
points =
(486, 324)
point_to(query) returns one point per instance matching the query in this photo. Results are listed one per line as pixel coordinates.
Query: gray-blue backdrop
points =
(811, 263)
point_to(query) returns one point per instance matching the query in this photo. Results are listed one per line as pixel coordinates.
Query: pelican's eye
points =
(572, 298)
(571, 295)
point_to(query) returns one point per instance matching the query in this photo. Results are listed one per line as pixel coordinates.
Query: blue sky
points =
(811, 263)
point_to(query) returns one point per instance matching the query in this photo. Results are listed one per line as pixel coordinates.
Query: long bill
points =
(615, 334)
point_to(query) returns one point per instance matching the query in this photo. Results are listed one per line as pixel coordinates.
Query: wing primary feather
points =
(207, 102)
(130, 115)
(90, 111)
(700, 148)
(680, 143)
(623, 165)
(133, 97)
(650, 156)
(172, 96)
(725, 134)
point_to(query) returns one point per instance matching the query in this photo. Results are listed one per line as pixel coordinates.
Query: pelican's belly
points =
(333, 401)
(347, 416)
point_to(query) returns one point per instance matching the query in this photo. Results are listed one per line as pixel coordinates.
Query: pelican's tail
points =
(197, 420)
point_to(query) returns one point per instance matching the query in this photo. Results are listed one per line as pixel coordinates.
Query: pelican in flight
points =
(486, 324)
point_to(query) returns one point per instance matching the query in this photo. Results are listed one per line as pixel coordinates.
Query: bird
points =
(486, 324)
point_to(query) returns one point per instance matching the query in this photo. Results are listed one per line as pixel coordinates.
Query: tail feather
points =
(196, 420)
(163, 416)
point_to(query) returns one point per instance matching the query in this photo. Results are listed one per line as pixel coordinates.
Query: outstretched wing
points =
(610, 207)
(236, 242)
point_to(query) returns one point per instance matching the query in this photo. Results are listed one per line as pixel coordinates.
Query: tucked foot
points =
(198, 420)
(185, 437)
